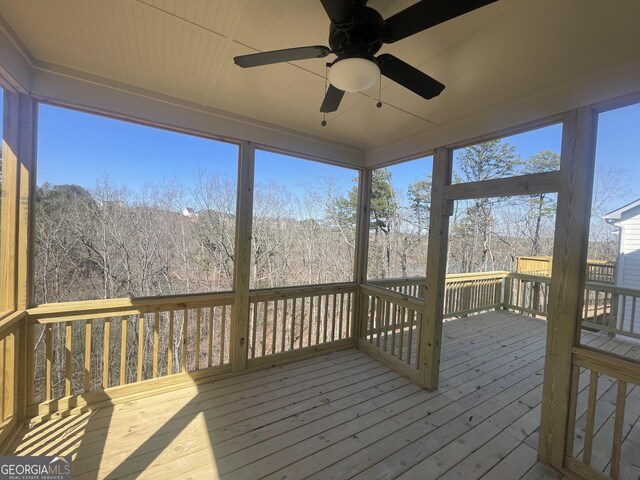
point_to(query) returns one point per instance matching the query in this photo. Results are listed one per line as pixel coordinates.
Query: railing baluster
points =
(140, 346)
(87, 355)
(302, 307)
(411, 314)
(341, 318)
(387, 317)
(123, 350)
(349, 331)
(310, 320)
(378, 328)
(334, 317)
(326, 318)
(210, 338)
(591, 413)
(185, 336)
(264, 328)
(401, 330)
(254, 327)
(198, 338)
(68, 358)
(170, 341)
(49, 360)
(156, 341)
(393, 328)
(318, 319)
(223, 340)
(274, 327)
(105, 353)
(616, 447)
(284, 324)
(292, 334)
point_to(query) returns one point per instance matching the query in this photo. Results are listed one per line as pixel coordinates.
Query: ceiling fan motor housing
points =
(359, 38)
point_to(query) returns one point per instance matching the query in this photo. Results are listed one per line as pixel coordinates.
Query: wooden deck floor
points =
(341, 415)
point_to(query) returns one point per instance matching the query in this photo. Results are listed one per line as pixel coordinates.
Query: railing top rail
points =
(120, 304)
(408, 301)
(608, 288)
(458, 277)
(529, 276)
(11, 320)
(126, 306)
(301, 291)
(397, 281)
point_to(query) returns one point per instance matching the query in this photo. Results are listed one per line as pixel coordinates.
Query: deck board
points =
(339, 415)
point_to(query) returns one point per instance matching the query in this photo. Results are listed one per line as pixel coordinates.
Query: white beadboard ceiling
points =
(509, 50)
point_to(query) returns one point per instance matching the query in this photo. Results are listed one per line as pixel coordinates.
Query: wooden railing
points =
(602, 392)
(80, 349)
(391, 327)
(289, 319)
(10, 331)
(81, 353)
(606, 307)
(87, 352)
(599, 271)
(412, 286)
(526, 293)
(471, 293)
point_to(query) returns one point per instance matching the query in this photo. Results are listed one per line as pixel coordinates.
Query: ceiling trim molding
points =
(16, 63)
(616, 82)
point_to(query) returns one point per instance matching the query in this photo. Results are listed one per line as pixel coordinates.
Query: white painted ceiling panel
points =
(509, 50)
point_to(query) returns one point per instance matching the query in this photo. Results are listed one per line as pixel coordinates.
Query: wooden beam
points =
(431, 325)
(16, 227)
(10, 194)
(568, 277)
(533, 184)
(362, 247)
(242, 258)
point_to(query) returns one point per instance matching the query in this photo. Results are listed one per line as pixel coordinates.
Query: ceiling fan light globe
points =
(354, 74)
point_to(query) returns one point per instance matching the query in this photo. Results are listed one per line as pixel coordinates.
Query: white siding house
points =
(627, 220)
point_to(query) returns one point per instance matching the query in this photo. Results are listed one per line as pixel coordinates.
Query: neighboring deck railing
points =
(599, 271)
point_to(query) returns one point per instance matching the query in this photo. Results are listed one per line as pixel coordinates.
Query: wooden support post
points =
(242, 258)
(431, 323)
(567, 281)
(17, 224)
(362, 251)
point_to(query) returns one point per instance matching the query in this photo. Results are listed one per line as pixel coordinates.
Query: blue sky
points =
(79, 148)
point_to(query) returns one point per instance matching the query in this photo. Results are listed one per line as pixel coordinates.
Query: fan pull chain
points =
(379, 104)
(326, 74)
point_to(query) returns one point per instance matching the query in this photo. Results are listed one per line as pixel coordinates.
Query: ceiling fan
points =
(356, 34)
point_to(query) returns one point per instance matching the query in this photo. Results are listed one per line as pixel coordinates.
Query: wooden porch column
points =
(431, 325)
(567, 280)
(362, 249)
(242, 258)
(17, 222)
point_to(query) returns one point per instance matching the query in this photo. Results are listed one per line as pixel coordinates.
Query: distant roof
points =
(617, 214)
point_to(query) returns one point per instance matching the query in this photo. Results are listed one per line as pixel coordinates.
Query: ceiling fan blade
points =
(279, 56)
(332, 99)
(426, 14)
(339, 11)
(409, 77)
